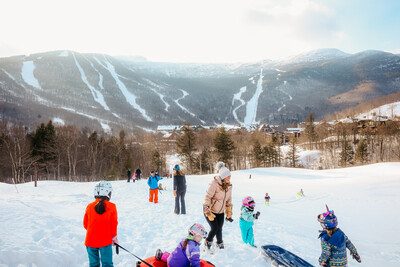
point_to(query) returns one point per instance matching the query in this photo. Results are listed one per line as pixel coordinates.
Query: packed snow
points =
(58, 121)
(42, 226)
(238, 97)
(27, 74)
(183, 108)
(97, 95)
(252, 105)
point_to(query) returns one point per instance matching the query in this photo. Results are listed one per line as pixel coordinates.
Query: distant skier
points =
(218, 200)
(301, 193)
(138, 172)
(179, 190)
(129, 174)
(334, 242)
(101, 222)
(267, 198)
(153, 184)
(188, 251)
(247, 218)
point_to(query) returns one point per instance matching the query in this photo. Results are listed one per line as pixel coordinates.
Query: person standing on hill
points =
(218, 200)
(179, 190)
(153, 184)
(129, 174)
(100, 221)
(138, 172)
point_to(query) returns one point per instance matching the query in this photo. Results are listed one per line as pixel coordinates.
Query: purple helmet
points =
(247, 201)
(198, 229)
(328, 219)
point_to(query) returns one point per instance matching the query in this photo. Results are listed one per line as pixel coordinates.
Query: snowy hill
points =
(43, 226)
(108, 93)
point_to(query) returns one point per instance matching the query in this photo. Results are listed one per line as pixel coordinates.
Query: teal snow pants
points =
(105, 256)
(247, 231)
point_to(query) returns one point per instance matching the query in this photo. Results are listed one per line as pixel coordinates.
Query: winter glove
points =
(115, 240)
(357, 257)
(175, 193)
(323, 264)
(256, 215)
(228, 210)
(208, 213)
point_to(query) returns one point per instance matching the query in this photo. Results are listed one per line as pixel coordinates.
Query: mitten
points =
(228, 210)
(357, 257)
(208, 213)
(115, 240)
(175, 193)
(256, 215)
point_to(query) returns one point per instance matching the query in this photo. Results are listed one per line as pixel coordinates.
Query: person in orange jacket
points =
(101, 222)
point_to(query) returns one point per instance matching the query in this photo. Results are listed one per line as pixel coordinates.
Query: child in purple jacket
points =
(187, 254)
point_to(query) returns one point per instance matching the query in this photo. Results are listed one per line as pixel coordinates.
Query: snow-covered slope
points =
(43, 226)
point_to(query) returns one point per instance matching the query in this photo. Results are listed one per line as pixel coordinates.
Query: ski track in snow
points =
(43, 225)
(238, 97)
(251, 107)
(290, 97)
(100, 76)
(130, 98)
(38, 98)
(153, 84)
(28, 76)
(182, 107)
(97, 95)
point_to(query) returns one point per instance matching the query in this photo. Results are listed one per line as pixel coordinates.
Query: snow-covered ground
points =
(43, 226)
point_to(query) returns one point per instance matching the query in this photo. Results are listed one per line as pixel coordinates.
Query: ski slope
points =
(43, 226)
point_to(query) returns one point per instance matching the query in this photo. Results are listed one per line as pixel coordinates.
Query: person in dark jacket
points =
(179, 190)
(138, 172)
(129, 174)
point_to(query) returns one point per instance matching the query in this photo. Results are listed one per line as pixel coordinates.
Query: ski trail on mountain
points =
(183, 108)
(100, 76)
(238, 97)
(153, 84)
(290, 97)
(97, 95)
(251, 107)
(28, 76)
(130, 98)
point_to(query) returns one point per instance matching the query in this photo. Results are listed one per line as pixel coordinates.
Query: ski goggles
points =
(321, 217)
(252, 205)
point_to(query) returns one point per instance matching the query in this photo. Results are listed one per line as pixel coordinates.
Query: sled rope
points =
(119, 246)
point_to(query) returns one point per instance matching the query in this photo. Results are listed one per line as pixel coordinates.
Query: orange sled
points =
(156, 263)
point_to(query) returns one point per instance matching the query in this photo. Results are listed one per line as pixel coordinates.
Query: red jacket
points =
(100, 228)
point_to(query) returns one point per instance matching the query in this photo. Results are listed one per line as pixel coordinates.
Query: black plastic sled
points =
(282, 258)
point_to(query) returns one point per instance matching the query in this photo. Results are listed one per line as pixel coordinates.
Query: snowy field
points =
(43, 226)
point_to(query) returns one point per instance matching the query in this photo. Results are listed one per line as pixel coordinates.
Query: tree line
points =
(70, 154)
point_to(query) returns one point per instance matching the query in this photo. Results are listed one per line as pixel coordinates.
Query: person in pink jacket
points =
(218, 200)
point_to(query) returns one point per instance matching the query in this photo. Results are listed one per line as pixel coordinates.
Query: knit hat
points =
(176, 167)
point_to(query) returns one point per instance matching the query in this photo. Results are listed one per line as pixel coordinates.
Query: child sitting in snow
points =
(247, 220)
(188, 251)
(334, 242)
(267, 198)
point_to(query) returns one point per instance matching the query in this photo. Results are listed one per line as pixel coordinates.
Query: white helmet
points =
(103, 189)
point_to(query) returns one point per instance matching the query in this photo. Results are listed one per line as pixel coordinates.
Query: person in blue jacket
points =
(247, 218)
(334, 242)
(153, 184)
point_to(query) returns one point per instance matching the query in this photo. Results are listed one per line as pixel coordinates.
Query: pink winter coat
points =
(216, 197)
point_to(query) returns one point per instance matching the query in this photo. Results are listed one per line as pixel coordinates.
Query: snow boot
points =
(208, 247)
(220, 246)
(159, 254)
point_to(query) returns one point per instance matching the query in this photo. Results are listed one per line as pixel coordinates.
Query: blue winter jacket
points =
(334, 248)
(190, 257)
(246, 214)
(153, 181)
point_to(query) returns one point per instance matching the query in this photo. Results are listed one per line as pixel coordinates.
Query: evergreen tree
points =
(310, 130)
(43, 142)
(157, 160)
(186, 146)
(292, 155)
(347, 154)
(224, 146)
(362, 152)
(203, 162)
(257, 154)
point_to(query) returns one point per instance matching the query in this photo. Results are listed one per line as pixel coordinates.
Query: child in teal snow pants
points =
(247, 218)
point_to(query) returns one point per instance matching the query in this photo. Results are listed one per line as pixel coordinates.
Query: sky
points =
(207, 31)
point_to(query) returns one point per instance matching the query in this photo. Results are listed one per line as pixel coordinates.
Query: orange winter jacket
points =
(100, 228)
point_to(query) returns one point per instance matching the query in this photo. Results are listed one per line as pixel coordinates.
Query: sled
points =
(280, 257)
(156, 263)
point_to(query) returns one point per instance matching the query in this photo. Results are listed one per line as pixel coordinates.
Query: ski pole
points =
(118, 245)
